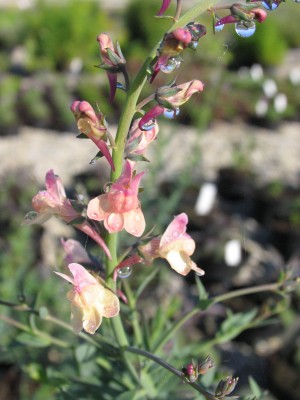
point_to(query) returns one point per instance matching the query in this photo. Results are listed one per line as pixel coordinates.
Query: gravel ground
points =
(269, 154)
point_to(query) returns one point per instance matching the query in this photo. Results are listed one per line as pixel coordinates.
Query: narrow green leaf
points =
(255, 389)
(32, 340)
(202, 293)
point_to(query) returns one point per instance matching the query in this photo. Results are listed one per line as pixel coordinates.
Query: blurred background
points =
(230, 160)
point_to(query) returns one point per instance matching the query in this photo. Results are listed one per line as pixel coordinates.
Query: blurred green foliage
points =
(56, 33)
(139, 22)
(9, 88)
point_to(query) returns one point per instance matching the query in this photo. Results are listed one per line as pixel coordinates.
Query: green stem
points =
(271, 287)
(135, 322)
(178, 10)
(15, 323)
(35, 332)
(121, 338)
(171, 369)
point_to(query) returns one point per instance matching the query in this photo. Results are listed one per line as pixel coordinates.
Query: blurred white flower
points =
(261, 107)
(280, 102)
(206, 198)
(295, 75)
(256, 72)
(269, 88)
(233, 253)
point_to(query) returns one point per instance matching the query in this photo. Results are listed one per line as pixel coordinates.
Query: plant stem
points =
(178, 10)
(135, 322)
(270, 287)
(121, 338)
(171, 369)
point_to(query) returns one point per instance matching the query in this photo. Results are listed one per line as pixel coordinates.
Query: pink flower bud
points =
(93, 126)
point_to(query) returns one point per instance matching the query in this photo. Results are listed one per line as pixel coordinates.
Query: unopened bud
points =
(226, 386)
(205, 365)
(190, 372)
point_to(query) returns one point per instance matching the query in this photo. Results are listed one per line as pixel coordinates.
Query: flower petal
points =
(76, 318)
(164, 6)
(175, 230)
(94, 210)
(135, 222)
(91, 320)
(111, 304)
(150, 115)
(179, 261)
(81, 276)
(55, 187)
(114, 222)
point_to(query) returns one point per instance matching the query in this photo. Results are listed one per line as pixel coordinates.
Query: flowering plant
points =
(129, 347)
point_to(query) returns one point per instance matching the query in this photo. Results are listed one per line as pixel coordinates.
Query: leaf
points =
(255, 389)
(133, 395)
(31, 340)
(202, 293)
(234, 325)
(146, 281)
(84, 352)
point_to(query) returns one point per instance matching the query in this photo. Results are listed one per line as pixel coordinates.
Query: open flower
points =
(90, 300)
(175, 245)
(176, 95)
(113, 61)
(120, 207)
(54, 202)
(93, 126)
(139, 140)
(170, 98)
